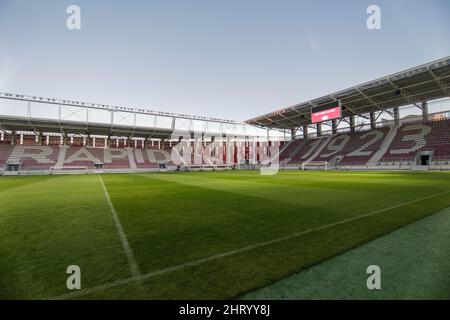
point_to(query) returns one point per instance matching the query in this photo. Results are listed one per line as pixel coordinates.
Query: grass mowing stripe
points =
(9, 183)
(413, 259)
(47, 226)
(250, 188)
(123, 238)
(237, 251)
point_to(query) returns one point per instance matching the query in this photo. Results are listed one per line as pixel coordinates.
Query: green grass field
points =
(195, 235)
(413, 260)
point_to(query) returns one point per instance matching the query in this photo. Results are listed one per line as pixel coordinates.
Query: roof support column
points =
(305, 132)
(396, 116)
(334, 125)
(40, 141)
(425, 110)
(372, 120)
(64, 139)
(352, 123)
(292, 133)
(319, 129)
(13, 137)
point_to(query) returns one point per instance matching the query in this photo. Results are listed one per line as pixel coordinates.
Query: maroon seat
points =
(411, 138)
(353, 148)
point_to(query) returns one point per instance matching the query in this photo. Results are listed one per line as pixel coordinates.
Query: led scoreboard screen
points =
(326, 112)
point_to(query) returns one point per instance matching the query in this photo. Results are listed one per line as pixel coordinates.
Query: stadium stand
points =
(44, 158)
(83, 157)
(353, 148)
(408, 145)
(34, 157)
(291, 150)
(305, 150)
(116, 158)
(411, 140)
(144, 159)
(5, 151)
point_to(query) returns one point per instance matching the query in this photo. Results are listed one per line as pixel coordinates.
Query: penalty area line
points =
(193, 263)
(123, 238)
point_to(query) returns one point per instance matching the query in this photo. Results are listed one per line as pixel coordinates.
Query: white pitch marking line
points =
(123, 238)
(232, 252)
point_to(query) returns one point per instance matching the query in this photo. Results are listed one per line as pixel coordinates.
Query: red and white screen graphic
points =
(326, 114)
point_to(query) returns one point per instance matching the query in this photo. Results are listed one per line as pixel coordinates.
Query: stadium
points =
(298, 203)
(365, 132)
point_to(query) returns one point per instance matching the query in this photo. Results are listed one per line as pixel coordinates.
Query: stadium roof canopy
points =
(42, 114)
(410, 87)
(79, 127)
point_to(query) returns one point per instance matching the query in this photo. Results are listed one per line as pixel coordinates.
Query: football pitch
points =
(204, 235)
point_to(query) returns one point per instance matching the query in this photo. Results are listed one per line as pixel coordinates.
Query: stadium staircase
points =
(61, 157)
(131, 158)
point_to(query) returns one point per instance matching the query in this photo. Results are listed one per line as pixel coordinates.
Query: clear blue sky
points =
(229, 59)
